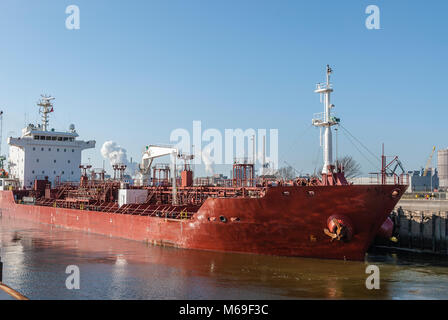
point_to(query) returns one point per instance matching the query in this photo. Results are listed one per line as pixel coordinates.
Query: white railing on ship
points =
(323, 85)
(376, 179)
(321, 116)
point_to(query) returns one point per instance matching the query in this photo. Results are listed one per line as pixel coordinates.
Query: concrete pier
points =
(420, 226)
(423, 205)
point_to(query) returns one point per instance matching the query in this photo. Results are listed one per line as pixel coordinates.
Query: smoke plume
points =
(208, 161)
(117, 155)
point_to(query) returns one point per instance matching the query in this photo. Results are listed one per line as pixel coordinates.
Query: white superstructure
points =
(41, 152)
(326, 120)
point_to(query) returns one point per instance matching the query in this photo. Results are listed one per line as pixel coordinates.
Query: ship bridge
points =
(40, 152)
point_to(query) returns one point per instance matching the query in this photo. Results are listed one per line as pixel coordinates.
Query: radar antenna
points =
(45, 107)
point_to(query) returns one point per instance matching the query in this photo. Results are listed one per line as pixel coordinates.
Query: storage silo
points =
(442, 164)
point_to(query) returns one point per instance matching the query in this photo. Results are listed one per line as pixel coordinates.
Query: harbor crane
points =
(429, 161)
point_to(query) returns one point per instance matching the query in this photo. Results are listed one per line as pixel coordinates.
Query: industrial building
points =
(442, 165)
(421, 182)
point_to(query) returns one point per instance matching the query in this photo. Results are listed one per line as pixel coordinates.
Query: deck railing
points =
(375, 178)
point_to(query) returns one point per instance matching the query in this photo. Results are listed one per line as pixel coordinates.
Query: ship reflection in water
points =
(35, 258)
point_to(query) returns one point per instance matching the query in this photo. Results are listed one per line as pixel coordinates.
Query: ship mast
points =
(46, 107)
(326, 121)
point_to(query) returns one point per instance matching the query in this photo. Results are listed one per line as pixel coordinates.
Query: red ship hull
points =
(287, 221)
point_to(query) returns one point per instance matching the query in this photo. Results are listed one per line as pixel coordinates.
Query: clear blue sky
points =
(136, 70)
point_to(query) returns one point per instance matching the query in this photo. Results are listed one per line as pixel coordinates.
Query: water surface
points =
(35, 258)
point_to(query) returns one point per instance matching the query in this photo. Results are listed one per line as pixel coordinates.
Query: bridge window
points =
(48, 138)
(36, 137)
(59, 138)
(42, 137)
(54, 138)
(65, 138)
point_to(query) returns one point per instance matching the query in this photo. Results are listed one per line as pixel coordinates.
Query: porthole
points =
(222, 219)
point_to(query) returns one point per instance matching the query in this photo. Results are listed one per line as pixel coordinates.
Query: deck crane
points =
(152, 152)
(429, 161)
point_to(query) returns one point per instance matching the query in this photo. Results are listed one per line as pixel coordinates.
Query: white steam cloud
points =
(208, 161)
(117, 155)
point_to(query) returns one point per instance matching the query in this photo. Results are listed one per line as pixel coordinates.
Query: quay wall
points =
(420, 226)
